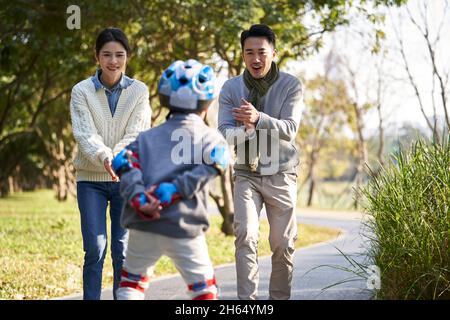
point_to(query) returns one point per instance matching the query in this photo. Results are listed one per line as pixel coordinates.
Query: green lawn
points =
(41, 251)
(329, 195)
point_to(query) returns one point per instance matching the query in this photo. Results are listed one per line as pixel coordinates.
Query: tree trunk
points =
(312, 186)
(380, 118)
(225, 198)
(4, 190)
(311, 174)
(61, 184)
(63, 174)
(11, 184)
(225, 204)
(362, 153)
(227, 210)
(362, 160)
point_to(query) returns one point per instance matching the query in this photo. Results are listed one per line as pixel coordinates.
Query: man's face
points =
(258, 55)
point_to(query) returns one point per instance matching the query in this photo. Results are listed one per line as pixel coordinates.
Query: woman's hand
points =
(108, 166)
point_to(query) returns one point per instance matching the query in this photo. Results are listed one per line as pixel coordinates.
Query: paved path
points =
(311, 274)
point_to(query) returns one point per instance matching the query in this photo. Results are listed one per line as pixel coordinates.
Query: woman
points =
(108, 111)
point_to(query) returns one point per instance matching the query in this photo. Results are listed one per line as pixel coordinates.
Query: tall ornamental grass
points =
(409, 207)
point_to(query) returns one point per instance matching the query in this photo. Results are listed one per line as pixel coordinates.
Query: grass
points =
(41, 251)
(329, 195)
(409, 203)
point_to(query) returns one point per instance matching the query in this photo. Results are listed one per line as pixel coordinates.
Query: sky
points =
(399, 101)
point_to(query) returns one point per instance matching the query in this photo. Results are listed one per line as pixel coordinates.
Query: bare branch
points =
(410, 76)
(441, 25)
(431, 50)
(15, 134)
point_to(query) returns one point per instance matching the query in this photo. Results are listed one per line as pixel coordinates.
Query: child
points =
(163, 179)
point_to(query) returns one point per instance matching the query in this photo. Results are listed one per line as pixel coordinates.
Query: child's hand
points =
(153, 206)
(167, 193)
(147, 206)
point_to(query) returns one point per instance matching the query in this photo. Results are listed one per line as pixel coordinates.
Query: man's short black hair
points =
(258, 30)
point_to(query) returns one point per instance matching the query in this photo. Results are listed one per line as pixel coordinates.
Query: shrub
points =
(409, 205)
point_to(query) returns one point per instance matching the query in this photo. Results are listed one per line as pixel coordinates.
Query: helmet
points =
(187, 86)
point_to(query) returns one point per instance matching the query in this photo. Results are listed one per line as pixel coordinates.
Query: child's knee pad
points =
(204, 290)
(132, 286)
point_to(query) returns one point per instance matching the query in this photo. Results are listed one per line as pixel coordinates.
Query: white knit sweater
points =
(98, 134)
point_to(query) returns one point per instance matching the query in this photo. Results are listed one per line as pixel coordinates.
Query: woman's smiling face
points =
(112, 59)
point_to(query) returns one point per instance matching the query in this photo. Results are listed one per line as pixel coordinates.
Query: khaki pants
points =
(279, 194)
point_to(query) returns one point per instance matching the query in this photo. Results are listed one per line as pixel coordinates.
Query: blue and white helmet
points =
(187, 86)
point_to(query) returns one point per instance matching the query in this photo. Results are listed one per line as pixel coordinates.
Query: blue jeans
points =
(93, 198)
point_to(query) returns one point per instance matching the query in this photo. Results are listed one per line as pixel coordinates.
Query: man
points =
(259, 112)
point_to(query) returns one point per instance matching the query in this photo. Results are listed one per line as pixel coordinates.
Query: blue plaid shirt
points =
(113, 94)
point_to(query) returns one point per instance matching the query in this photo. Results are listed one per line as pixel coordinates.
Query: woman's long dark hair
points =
(111, 34)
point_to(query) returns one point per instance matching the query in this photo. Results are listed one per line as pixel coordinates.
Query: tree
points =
(189, 29)
(40, 62)
(41, 59)
(327, 104)
(430, 25)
